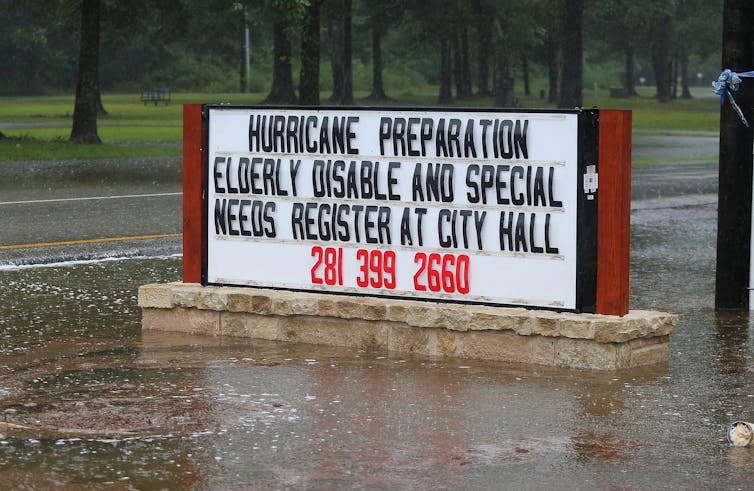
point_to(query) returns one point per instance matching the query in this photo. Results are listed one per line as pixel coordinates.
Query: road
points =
(60, 211)
(666, 166)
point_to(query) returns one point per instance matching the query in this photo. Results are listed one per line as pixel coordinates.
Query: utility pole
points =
(246, 50)
(734, 215)
(245, 65)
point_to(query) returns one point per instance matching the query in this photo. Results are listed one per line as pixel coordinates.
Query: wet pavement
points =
(78, 210)
(88, 401)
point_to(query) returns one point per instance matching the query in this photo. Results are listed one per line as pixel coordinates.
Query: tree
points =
(462, 14)
(334, 37)
(378, 89)
(435, 19)
(502, 79)
(513, 36)
(285, 15)
(484, 41)
(552, 50)
(381, 16)
(193, 45)
(446, 80)
(696, 35)
(525, 74)
(662, 58)
(39, 44)
(87, 102)
(734, 213)
(616, 28)
(445, 95)
(341, 46)
(652, 27)
(309, 80)
(573, 54)
(282, 91)
(462, 67)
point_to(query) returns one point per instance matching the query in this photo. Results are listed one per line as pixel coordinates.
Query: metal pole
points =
(246, 57)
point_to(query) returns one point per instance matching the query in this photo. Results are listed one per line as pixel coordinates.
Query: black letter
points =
(553, 202)
(519, 140)
(219, 175)
(253, 133)
(468, 141)
(444, 215)
(296, 220)
(473, 198)
(392, 181)
(269, 208)
(518, 199)
(220, 223)
(386, 125)
(232, 217)
(351, 135)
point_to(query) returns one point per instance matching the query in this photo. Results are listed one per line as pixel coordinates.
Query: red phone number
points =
(435, 272)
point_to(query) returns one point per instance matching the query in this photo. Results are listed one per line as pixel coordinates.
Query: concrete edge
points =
(524, 322)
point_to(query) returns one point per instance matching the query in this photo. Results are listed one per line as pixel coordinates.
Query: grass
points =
(38, 127)
(702, 113)
(24, 148)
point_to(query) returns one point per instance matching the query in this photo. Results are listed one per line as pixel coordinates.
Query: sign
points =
(492, 207)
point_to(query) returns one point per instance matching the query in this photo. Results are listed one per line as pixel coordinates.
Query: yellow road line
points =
(87, 241)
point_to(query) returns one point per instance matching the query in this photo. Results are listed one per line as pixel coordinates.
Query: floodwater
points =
(88, 401)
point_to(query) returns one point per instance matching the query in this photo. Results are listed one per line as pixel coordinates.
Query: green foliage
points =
(195, 45)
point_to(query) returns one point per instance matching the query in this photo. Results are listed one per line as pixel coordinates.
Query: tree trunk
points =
(445, 70)
(282, 91)
(502, 79)
(32, 81)
(456, 48)
(662, 69)
(484, 43)
(341, 52)
(100, 108)
(525, 74)
(674, 76)
(629, 81)
(571, 80)
(347, 53)
(735, 170)
(684, 68)
(465, 65)
(84, 128)
(309, 79)
(335, 31)
(378, 90)
(553, 67)
(662, 63)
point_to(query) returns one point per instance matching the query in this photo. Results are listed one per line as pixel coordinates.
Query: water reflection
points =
(97, 401)
(733, 341)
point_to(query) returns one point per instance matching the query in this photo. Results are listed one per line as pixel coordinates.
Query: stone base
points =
(438, 329)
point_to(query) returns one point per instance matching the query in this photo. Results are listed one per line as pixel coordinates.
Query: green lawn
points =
(37, 128)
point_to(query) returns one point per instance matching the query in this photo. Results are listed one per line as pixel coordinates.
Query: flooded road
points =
(78, 210)
(88, 401)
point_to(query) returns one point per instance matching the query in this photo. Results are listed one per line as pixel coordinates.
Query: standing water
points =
(88, 401)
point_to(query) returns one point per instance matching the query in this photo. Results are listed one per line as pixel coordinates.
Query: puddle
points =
(88, 401)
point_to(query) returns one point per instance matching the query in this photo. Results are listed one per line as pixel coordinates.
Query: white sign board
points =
(471, 206)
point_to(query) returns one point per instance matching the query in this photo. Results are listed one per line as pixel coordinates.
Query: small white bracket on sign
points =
(591, 180)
